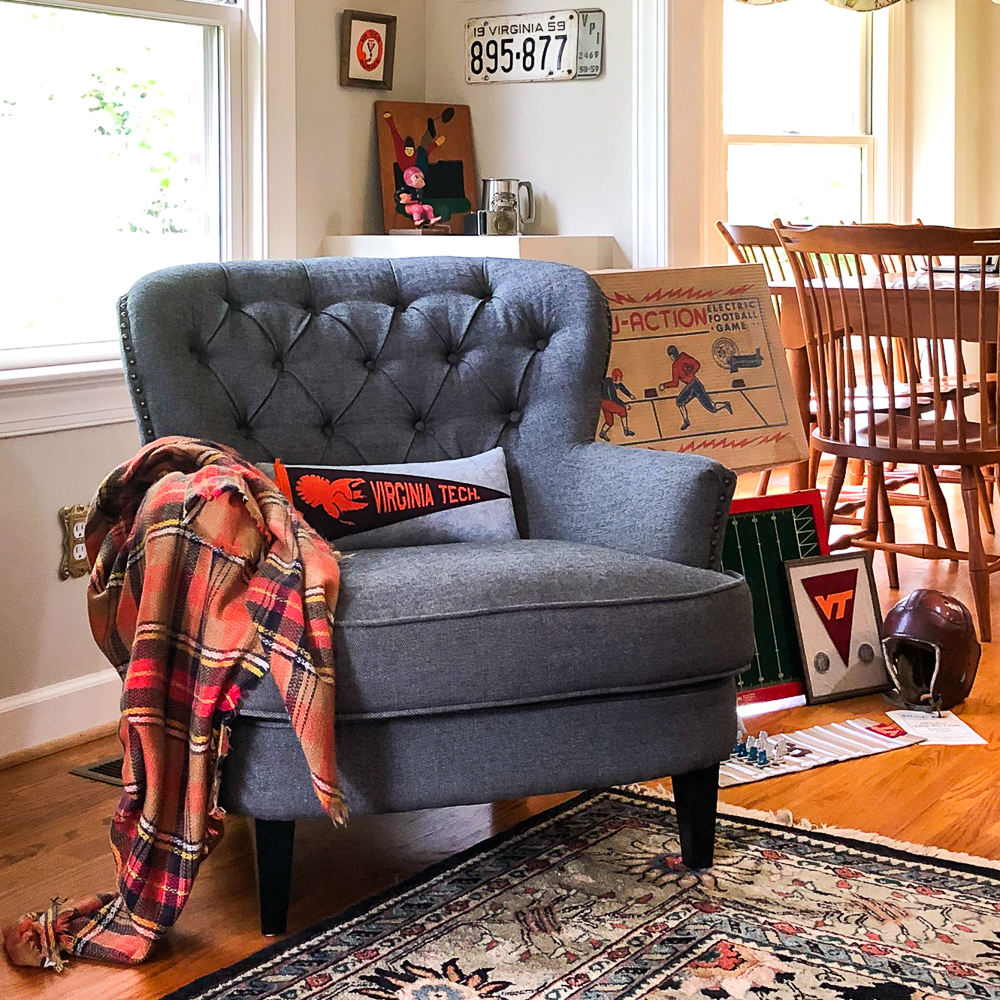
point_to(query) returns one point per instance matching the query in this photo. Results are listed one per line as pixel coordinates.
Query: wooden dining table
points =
(793, 335)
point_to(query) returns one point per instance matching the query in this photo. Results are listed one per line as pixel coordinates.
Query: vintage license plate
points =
(518, 47)
(590, 49)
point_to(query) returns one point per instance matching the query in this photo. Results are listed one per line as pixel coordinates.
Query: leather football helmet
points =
(931, 650)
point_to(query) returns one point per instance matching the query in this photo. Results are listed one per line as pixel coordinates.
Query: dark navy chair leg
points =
(274, 840)
(696, 796)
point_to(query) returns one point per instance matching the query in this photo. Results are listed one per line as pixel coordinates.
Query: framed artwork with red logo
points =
(367, 49)
(837, 615)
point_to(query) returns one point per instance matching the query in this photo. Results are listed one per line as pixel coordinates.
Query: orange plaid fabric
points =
(204, 579)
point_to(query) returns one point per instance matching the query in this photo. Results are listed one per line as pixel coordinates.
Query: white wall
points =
(54, 681)
(955, 111)
(43, 618)
(336, 146)
(987, 90)
(572, 140)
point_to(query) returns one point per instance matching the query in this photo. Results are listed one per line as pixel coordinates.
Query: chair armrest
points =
(653, 503)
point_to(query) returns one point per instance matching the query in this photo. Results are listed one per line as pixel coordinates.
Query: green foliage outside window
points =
(132, 116)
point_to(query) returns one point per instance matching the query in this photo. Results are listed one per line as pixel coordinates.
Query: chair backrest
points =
(894, 262)
(368, 361)
(756, 245)
(878, 336)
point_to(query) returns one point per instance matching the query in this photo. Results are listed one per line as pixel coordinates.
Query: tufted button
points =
(452, 359)
(370, 365)
(327, 430)
(541, 344)
(419, 426)
(278, 365)
(515, 416)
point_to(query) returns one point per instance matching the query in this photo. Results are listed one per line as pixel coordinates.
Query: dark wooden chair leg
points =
(695, 797)
(274, 840)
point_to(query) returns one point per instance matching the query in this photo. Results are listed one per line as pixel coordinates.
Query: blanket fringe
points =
(39, 939)
(784, 817)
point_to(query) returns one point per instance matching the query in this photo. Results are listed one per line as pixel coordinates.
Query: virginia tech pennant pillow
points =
(419, 503)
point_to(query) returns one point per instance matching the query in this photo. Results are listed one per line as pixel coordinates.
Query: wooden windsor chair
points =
(751, 244)
(929, 496)
(760, 245)
(857, 325)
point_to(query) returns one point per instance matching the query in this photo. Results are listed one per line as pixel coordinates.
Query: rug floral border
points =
(854, 841)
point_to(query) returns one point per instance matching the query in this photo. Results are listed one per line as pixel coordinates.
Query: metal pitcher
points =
(502, 195)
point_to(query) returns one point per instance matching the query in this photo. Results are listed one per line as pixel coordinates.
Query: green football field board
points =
(762, 533)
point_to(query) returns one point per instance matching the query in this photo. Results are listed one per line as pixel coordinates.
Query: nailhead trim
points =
(721, 515)
(133, 382)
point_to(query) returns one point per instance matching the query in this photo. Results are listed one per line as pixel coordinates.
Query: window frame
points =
(863, 140)
(51, 389)
(887, 162)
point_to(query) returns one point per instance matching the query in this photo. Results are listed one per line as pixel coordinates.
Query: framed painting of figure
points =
(426, 164)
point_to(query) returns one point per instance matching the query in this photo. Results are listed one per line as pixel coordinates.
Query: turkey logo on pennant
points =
(832, 595)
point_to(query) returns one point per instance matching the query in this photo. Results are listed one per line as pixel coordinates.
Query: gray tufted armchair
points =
(599, 649)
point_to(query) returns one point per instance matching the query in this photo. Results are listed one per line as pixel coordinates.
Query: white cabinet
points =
(591, 253)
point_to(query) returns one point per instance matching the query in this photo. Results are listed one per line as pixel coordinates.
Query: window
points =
(796, 113)
(122, 154)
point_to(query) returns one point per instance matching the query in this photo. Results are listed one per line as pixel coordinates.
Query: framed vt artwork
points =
(367, 49)
(761, 534)
(837, 611)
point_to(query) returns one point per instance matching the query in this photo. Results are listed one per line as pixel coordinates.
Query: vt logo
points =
(832, 596)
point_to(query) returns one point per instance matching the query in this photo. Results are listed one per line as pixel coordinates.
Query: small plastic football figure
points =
(411, 197)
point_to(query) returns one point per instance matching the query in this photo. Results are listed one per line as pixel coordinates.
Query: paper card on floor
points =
(946, 729)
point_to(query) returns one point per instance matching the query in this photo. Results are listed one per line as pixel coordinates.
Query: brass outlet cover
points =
(74, 556)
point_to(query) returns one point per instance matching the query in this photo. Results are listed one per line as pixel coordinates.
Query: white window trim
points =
(888, 181)
(864, 140)
(650, 93)
(82, 386)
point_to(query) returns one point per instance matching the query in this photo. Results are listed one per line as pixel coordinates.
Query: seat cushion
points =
(925, 431)
(471, 626)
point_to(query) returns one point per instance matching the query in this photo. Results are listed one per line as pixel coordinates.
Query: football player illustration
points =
(685, 369)
(408, 154)
(414, 162)
(612, 405)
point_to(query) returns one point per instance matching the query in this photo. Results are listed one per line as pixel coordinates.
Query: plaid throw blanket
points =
(204, 579)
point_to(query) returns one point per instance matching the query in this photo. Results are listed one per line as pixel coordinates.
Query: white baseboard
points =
(58, 710)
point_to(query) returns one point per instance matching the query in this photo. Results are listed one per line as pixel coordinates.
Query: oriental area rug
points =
(590, 901)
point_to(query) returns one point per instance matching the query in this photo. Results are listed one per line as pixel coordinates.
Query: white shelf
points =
(591, 253)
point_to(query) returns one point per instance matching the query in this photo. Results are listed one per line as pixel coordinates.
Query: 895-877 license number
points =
(522, 47)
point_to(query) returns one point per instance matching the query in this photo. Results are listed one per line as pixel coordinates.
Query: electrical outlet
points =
(74, 551)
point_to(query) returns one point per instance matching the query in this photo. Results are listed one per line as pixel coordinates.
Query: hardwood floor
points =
(54, 827)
